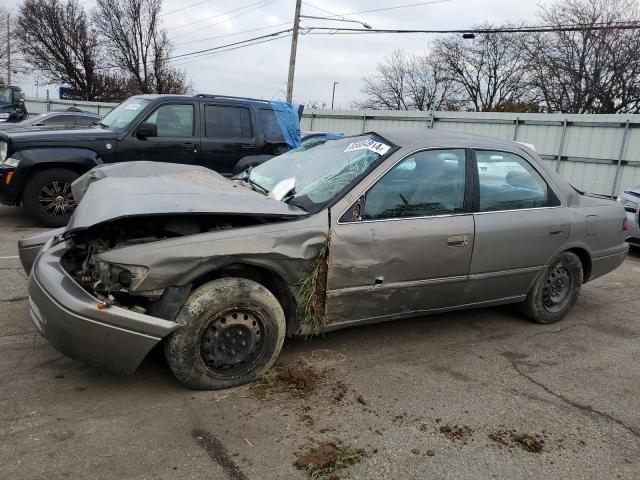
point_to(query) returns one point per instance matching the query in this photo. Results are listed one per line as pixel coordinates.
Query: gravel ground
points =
(474, 394)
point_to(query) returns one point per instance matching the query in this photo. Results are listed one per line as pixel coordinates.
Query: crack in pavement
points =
(582, 407)
(15, 299)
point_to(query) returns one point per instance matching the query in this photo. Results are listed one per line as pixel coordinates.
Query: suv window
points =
(227, 122)
(430, 182)
(509, 182)
(272, 132)
(59, 120)
(174, 120)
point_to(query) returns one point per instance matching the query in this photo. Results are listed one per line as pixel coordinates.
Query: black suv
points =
(12, 108)
(225, 134)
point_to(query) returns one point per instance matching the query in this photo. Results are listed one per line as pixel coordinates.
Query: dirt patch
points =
(339, 391)
(508, 438)
(457, 432)
(325, 459)
(300, 380)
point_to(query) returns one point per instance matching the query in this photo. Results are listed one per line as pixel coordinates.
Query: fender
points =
(77, 159)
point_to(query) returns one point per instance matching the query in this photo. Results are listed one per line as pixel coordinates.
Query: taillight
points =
(625, 225)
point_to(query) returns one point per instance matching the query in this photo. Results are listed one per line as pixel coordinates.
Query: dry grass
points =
(312, 290)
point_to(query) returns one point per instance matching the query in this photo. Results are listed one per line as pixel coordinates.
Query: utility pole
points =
(8, 50)
(294, 48)
(333, 95)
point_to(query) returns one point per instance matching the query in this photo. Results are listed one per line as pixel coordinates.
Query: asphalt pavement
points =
(467, 395)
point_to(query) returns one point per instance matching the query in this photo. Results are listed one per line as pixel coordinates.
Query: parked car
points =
(225, 134)
(630, 200)
(12, 107)
(61, 119)
(376, 227)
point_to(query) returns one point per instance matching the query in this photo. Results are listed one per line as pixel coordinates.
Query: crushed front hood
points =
(134, 189)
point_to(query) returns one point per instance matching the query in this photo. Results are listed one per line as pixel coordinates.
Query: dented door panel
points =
(392, 268)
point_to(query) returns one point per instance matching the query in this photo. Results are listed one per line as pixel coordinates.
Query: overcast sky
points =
(261, 70)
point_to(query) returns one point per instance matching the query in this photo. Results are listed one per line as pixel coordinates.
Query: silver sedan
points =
(375, 227)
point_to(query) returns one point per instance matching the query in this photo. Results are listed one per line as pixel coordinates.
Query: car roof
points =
(427, 138)
(206, 97)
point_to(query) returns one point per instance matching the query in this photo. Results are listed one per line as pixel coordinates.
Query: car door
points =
(405, 246)
(519, 226)
(176, 140)
(228, 136)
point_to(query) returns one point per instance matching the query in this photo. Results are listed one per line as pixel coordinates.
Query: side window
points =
(431, 182)
(85, 120)
(59, 120)
(272, 132)
(173, 120)
(227, 122)
(509, 182)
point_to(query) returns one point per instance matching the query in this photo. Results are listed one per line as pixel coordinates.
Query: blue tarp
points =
(288, 121)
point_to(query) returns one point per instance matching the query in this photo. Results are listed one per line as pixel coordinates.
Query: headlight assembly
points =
(10, 162)
(116, 276)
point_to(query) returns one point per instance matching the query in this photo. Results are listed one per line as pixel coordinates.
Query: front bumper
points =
(67, 316)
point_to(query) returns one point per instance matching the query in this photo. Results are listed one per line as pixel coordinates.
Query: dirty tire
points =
(555, 291)
(34, 189)
(217, 313)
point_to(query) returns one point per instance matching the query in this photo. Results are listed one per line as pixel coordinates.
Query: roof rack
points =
(232, 97)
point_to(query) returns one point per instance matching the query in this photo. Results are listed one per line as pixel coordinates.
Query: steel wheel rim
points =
(231, 343)
(56, 199)
(556, 292)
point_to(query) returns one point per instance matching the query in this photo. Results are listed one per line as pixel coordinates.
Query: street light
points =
(333, 95)
(365, 25)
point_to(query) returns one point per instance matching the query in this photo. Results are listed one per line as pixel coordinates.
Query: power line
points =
(232, 34)
(218, 15)
(263, 4)
(184, 8)
(529, 29)
(397, 7)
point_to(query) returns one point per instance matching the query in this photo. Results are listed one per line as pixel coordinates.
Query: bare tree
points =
(57, 39)
(411, 82)
(490, 68)
(139, 45)
(588, 71)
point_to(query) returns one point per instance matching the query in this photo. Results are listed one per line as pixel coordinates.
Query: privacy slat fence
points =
(598, 153)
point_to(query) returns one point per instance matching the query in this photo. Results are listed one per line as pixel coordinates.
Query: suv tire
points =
(47, 196)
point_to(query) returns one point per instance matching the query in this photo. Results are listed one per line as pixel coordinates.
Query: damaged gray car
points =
(369, 228)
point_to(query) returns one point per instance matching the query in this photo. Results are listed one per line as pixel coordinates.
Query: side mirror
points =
(147, 129)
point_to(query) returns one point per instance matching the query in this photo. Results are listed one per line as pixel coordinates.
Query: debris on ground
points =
(415, 451)
(456, 432)
(508, 438)
(361, 400)
(300, 380)
(321, 462)
(339, 391)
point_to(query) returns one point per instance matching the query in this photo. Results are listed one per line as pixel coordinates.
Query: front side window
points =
(173, 120)
(509, 182)
(431, 182)
(227, 122)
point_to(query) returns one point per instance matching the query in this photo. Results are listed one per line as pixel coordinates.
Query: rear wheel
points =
(232, 330)
(47, 196)
(556, 290)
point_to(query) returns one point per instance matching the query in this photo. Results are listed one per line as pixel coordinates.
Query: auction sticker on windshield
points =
(133, 106)
(377, 147)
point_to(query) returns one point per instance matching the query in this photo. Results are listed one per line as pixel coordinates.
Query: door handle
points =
(190, 146)
(457, 241)
(248, 147)
(556, 230)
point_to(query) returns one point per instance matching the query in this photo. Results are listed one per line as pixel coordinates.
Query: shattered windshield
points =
(125, 113)
(323, 171)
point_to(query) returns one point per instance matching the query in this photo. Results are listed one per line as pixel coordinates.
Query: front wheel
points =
(48, 198)
(232, 330)
(556, 290)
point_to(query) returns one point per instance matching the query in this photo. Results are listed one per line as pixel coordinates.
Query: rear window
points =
(227, 122)
(272, 132)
